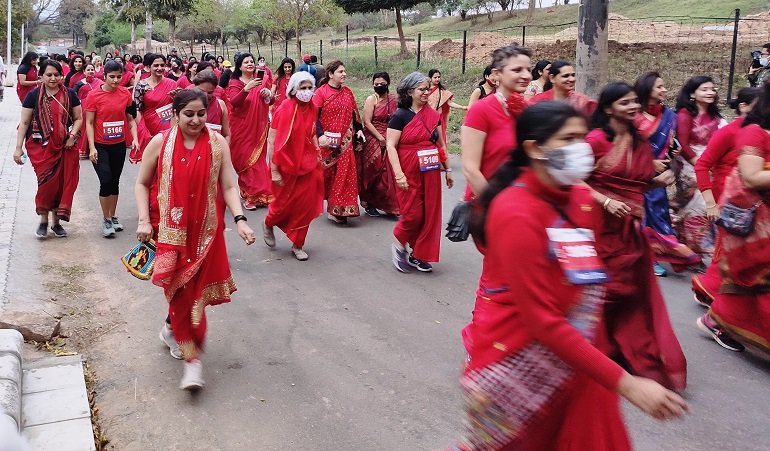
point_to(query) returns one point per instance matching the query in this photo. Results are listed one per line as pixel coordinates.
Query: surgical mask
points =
(381, 89)
(763, 61)
(304, 95)
(571, 164)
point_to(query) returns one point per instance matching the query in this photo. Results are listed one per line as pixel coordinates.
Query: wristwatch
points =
(239, 218)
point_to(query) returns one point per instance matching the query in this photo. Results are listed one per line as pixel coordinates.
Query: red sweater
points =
(719, 159)
(525, 295)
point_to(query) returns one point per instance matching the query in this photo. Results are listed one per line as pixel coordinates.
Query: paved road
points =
(340, 352)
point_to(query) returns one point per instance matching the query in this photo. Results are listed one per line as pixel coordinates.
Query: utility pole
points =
(147, 30)
(8, 32)
(22, 42)
(591, 64)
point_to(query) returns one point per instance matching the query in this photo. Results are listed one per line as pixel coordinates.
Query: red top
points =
(719, 159)
(31, 74)
(754, 140)
(694, 131)
(487, 116)
(527, 298)
(110, 119)
(183, 82)
(581, 102)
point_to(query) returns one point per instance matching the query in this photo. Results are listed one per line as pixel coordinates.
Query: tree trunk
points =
(297, 32)
(147, 31)
(172, 30)
(591, 62)
(401, 38)
(531, 10)
(133, 36)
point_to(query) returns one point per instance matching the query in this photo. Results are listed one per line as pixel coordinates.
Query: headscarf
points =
(296, 79)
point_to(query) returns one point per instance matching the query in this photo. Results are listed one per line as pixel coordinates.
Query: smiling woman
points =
(561, 86)
(153, 97)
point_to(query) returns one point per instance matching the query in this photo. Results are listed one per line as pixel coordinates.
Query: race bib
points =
(165, 113)
(428, 160)
(575, 251)
(214, 127)
(113, 130)
(335, 138)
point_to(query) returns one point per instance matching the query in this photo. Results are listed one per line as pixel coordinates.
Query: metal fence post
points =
(523, 34)
(250, 49)
(272, 55)
(465, 47)
(321, 51)
(732, 55)
(375, 52)
(419, 45)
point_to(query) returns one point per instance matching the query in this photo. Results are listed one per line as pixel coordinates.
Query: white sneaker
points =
(192, 380)
(299, 254)
(167, 337)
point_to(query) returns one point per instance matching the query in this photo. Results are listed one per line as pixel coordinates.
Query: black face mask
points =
(381, 89)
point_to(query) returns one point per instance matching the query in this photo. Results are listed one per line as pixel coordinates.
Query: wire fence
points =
(678, 47)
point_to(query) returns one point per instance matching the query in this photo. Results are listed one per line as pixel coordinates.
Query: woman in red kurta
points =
(416, 153)
(217, 117)
(249, 111)
(711, 170)
(192, 170)
(283, 74)
(741, 308)
(561, 79)
(49, 130)
(441, 99)
(26, 75)
(376, 187)
(76, 73)
(488, 133)
(339, 119)
(537, 375)
(640, 328)
(153, 97)
(297, 177)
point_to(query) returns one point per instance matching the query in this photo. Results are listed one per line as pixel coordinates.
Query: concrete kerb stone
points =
(11, 347)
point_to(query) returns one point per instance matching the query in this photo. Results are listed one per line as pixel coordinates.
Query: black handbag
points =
(457, 229)
(736, 220)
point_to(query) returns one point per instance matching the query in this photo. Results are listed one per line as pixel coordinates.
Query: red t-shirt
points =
(719, 158)
(487, 116)
(754, 140)
(110, 120)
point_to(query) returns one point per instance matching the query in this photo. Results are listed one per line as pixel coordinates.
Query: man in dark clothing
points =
(320, 72)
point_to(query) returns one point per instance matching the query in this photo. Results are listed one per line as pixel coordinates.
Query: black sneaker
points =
(399, 259)
(116, 224)
(419, 264)
(42, 230)
(59, 231)
(706, 324)
(373, 212)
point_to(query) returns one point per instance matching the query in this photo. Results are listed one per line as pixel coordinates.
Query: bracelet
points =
(402, 176)
(447, 170)
(239, 218)
(606, 202)
(711, 205)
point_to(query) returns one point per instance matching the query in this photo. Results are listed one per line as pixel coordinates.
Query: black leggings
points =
(109, 166)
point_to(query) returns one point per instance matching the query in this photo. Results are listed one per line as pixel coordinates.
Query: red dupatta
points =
(248, 124)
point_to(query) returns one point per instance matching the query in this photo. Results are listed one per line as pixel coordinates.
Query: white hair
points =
(296, 80)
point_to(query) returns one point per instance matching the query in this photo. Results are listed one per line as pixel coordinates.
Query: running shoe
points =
(660, 271)
(59, 231)
(708, 325)
(167, 338)
(419, 264)
(341, 220)
(399, 259)
(108, 231)
(373, 212)
(116, 224)
(192, 380)
(42, 230)
(251, 206)
(299, 254)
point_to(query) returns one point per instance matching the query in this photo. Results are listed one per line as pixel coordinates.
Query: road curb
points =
(11, 347)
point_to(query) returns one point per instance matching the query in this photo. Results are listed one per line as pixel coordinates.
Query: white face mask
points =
(571, 164)
(763, 61)
(304, 95)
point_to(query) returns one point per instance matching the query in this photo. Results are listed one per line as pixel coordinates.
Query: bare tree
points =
(591, 64)
(531, 10)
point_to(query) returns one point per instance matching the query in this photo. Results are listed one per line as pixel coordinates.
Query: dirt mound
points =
(446, 47)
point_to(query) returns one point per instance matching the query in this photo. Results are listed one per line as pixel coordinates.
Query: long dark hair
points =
(280, 73)
(433, 72)
(644, 85)
(384, 75)
(538, 123)
(237, 72)
(187, 69)
(685, 100)
(330, 69)
(225, 78)
(113, 66)
(28, 57)
(50, 62)
(760, 113)
(609, 95)
(487, 72)
(554, 70)
(745, 95)
(73, 71)
(537, 71)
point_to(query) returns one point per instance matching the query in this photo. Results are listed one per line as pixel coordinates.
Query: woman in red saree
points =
(416, 153)
(186, 80)
(76, 73)
(537, 375)
(250, 98)
(191, 172)
(488, 132)
(441, 99)
(297, 177)
(640, 330)
(375, 176)
(741, 308)
(51, 120)
(217, 117)
(711, 171)
(26, 75)
(339, 119)
(561, 86)
(283, 74)
(153, 97)
(82, 89)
